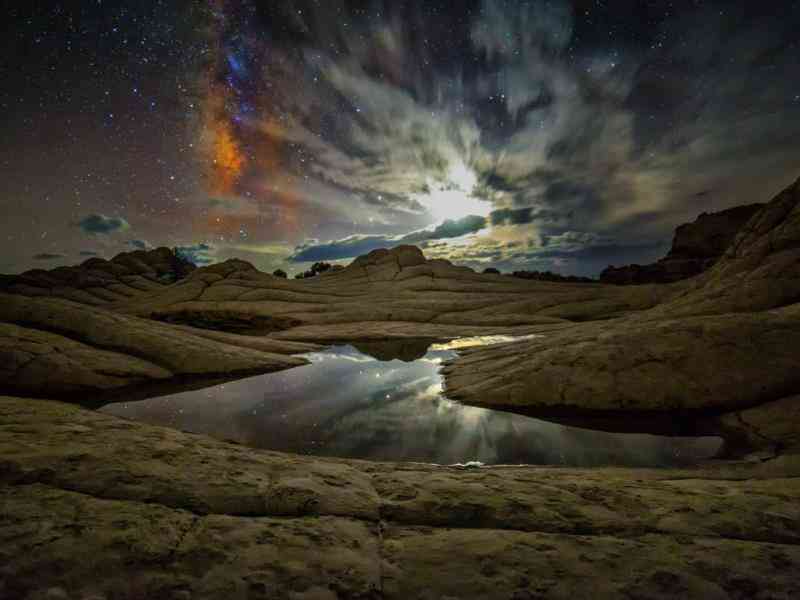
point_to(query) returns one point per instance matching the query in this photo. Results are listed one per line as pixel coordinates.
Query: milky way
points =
(515, 134)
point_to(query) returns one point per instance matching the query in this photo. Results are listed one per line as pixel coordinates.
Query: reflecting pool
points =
(363, 403)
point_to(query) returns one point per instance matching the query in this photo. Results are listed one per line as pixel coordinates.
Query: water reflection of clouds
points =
(346, 403)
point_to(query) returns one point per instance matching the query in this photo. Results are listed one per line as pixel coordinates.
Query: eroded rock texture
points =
(695, 248)
(726, 340)
(97, 281)
(50, 346)
(93, 506)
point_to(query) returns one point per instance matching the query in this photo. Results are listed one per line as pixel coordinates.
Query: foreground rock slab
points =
(56, 347)
(94, 506)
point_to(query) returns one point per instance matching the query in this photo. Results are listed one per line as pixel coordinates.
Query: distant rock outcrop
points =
(98, 281)
(695, 248)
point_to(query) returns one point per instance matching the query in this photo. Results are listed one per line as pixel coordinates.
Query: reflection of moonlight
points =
(393, 410)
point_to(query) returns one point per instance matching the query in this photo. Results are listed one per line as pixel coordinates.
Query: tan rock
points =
(94, 349)
(125, 510)
(724, 341)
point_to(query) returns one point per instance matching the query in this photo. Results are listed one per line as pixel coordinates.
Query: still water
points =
(383, 401)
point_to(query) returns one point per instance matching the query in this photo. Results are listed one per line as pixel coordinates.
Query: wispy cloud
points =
(356, 245)
(47, 256)
(101, 224)
(526, 117)
(140, 244)
(198, 254)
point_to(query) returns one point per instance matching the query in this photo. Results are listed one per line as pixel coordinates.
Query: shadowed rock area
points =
(127, 510)
(97, 281)
(695, 248)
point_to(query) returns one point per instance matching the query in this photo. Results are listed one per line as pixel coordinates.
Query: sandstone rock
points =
(98, 281)
(710, 235)
(94, 505)
(384, 286)
(130, 510)
(54, 347)
(772, 426)
(642, 351)
(759, 271)
(695, 247)
(724, 341)
(718, 363)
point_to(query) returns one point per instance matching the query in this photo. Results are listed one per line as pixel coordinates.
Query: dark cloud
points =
(339, 249)
(47, 256)
(140, 244)
(601, 252)
(357, 245)
(101, 224)
(557, 122)
(198, 254)
(450, 228)
(512, 216)
(88, 253)
(578, 132)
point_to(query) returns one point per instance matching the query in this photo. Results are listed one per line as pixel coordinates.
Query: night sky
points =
(514, 134)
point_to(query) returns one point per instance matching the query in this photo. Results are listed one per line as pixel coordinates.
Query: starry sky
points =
(518, 134)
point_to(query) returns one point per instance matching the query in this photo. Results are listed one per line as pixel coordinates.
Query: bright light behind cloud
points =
(453, 198)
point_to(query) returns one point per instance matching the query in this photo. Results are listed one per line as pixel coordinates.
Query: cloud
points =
(88, 253)
(47, 256)
(265, 249)
(356, 245)
(101, 224)
(197, 254)
(528, 115)
(450, 228)
(512, 216)
(599, 252)
(348, 247)
(140, 244)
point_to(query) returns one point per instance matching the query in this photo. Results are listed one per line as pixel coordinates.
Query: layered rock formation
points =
(397, 286)
(674, 349)
(695, 248)
(726, 341)
(58, 348)
(94, 506)
(98, 282)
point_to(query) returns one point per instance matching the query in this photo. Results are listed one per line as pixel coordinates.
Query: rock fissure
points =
(383, 523)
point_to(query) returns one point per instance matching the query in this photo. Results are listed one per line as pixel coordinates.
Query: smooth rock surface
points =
(726, 340)
(91, 504)
(55, 347)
